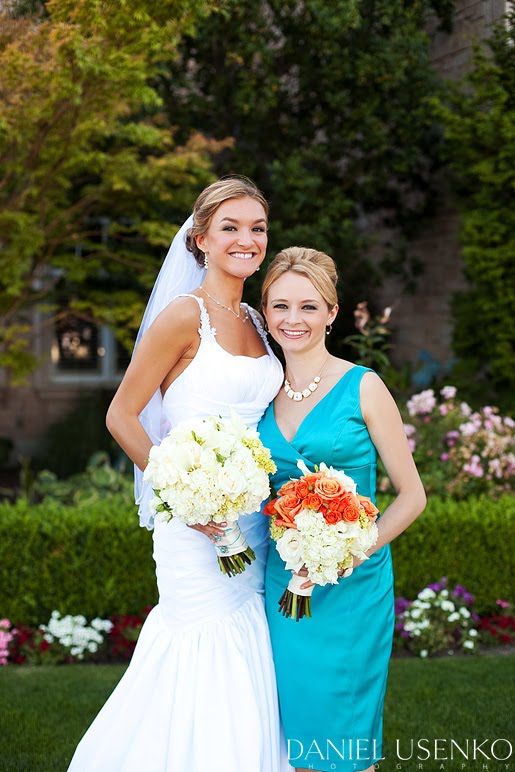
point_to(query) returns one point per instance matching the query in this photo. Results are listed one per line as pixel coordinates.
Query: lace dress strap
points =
(205, 330)
(259, 327)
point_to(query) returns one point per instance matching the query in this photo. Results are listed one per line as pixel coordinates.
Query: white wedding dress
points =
(199, 694)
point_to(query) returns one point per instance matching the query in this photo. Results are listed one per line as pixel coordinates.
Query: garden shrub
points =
(97, 561)
(471, 542)
(93, 560)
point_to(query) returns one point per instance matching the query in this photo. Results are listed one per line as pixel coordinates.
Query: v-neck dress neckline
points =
(313, 409)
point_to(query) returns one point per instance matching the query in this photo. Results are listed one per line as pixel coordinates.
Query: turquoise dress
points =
(332, 669)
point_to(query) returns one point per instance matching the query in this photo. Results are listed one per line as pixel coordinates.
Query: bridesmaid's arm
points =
(386, 430)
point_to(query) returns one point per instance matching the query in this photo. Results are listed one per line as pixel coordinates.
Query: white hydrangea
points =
(209, 468)
(323, 548)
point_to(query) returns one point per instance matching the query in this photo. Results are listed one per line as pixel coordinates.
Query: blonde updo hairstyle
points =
(316, 266)
(224, 189)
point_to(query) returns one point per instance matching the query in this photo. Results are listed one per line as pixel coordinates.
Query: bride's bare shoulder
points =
(180, 314)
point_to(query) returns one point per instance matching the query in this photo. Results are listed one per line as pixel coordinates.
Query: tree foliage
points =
(327, 104)
(92, 176)
(479, 119)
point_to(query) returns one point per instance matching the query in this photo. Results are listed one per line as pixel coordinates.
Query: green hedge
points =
(471, 542)
(92, 561)
(98, 561)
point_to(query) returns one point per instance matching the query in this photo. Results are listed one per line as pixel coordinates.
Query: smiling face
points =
(297, 314)
(236, 238)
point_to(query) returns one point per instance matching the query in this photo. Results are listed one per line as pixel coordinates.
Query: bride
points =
(199, 694)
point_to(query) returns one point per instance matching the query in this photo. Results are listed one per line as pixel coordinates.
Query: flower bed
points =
(458, 451)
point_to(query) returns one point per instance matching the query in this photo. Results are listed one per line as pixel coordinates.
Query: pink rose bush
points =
(457, 450)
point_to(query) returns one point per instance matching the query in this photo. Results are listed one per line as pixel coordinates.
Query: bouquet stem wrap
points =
(296, 601)
(233, 551)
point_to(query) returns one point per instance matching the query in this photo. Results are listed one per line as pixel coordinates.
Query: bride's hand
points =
(212, 530)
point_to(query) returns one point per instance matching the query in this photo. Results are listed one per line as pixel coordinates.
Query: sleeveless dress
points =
(200, 693)
(332, 669)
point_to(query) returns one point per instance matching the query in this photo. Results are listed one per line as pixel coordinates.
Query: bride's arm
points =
(386, 430)
(172, 336)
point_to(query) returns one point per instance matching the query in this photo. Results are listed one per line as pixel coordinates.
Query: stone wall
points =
(422, 321)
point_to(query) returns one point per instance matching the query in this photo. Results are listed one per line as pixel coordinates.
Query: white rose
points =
(231, 482)
(289, 547)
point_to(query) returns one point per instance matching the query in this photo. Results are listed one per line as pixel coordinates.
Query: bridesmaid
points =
(332, 669)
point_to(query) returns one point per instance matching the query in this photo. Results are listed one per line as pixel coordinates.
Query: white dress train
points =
(199, 694)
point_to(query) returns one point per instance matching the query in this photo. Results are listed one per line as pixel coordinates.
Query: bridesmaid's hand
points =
(212, 530)
(304, 572)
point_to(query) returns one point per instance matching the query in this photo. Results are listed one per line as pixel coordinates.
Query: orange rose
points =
(310, 479)
(370, 508)
(349, 508)
(287, 488)
(329, 487)
(332, 517)
(302, 489)
(312, 501)
(270, 508)
(288, 506)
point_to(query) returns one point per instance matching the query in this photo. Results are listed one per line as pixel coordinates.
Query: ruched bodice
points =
(216, 381)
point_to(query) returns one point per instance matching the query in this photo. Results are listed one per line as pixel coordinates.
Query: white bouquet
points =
(319, 521)
(212, 469)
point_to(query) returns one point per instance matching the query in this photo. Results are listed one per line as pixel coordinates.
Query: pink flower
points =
(444, 409)
(502, 603)
(412, 444)
(465, 409)
(474, 468)
(409, 430)
(422, 403)
(444, 457)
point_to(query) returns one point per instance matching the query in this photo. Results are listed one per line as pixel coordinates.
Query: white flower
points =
(289, 547)
(447, 605)
(444, 593)
(472, 633)
(468, 644)
(465, 612)
(453, 617)
(424, 653)
(426, 594)
(231, 482)
(448, 392)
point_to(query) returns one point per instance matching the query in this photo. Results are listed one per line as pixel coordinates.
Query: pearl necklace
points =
(298, 396)
(227, 308)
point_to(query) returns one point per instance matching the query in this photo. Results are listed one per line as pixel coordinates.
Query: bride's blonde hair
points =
(316, 266)
(224, 189)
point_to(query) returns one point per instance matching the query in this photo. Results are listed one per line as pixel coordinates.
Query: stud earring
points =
(328, 329)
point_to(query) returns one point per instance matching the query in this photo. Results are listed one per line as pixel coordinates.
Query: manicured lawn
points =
(44, 711)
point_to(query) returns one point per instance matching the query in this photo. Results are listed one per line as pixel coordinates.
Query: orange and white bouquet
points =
(212, 469)
(319, 521)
